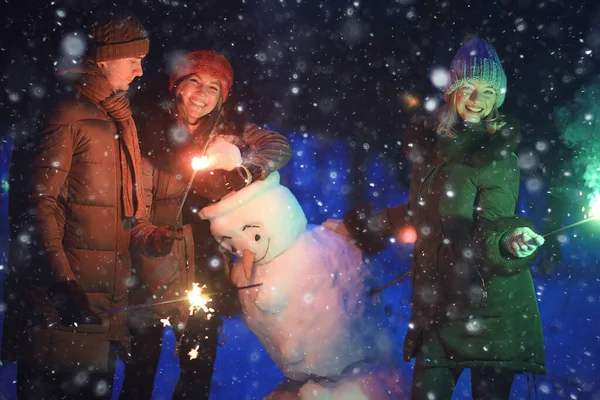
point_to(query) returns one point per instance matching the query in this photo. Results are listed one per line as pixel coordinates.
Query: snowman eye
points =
(233, 249)
(257, 237)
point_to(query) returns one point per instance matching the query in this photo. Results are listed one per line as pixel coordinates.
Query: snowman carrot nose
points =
(247, 262)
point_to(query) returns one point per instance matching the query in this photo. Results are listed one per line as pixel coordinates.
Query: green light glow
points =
(594, 208)
(579, 121)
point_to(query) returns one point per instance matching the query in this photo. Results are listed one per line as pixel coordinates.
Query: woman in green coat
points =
(473, 301)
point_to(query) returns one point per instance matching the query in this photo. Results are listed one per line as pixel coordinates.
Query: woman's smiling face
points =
(197, 96)
(475, 100)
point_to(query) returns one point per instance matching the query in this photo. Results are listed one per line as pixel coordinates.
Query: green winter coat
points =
(473, 304)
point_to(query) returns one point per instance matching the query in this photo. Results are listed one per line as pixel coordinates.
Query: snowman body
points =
(313, 312)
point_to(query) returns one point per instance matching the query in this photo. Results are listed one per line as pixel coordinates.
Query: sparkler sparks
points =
(199, 163)
(593, 213)
(199, 301)
(194, 352)
(165, 322)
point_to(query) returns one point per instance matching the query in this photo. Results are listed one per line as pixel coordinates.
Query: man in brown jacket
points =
(75, 194)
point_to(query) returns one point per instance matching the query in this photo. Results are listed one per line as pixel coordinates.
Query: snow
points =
(360, 79)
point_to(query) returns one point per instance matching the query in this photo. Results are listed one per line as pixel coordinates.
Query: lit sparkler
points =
(593, 214)
(199, 301)
(165, 322)
(194, 352)
(160, 303)
(198, 163)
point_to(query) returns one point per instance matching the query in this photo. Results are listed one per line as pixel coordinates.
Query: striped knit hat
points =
(118, 35)
(204, 62)
(477, 60)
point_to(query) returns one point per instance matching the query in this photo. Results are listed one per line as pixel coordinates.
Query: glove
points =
(367, 228)
(161, 240)
(72, 304)
(522, 242)
(337, 226)
(220, 182)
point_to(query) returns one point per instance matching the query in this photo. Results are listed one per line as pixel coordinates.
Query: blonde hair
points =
(447, 117)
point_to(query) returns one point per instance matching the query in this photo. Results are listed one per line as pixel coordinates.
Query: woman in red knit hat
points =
(173, 130)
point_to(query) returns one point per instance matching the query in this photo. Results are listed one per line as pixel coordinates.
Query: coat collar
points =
(473, 145)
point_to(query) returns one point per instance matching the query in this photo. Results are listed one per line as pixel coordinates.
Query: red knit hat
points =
(204, 62)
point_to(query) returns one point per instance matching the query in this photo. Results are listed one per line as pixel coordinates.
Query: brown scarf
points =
(93, 84)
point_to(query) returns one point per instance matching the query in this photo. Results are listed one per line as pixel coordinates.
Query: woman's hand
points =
(522, 242)
(337, 226)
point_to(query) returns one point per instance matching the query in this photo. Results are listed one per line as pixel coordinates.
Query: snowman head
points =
(222, 154)
(263, 217)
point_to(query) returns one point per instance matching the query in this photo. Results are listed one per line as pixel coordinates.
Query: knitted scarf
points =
(92, 83)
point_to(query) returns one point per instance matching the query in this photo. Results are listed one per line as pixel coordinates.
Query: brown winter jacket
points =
(197, 258)
(462, 200)
(66, 223)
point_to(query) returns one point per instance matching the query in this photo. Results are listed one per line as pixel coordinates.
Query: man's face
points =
(121, 72)
(197, 96)
(475, 100)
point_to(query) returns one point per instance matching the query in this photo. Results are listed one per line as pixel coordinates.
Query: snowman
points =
(313, 312)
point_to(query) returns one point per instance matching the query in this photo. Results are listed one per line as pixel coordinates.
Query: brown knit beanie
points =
(204, 62)
(120, 35)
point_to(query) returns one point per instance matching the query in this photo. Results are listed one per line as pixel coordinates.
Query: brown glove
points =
(72, 304)
(161, 240)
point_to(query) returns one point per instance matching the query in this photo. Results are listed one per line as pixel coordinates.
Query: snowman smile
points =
(266, 252)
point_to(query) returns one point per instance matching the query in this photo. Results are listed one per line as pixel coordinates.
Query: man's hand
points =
(522, 242)
(163, 238)
(72, 304)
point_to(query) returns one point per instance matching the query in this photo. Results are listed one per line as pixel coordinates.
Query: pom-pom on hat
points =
(477, 60)
(118, 34)
(204, 62)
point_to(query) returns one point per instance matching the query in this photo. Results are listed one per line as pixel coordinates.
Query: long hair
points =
(446, 118)
(222, 119)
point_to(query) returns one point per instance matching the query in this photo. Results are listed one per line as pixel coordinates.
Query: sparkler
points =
(194, 352)
(585, 221)
(387, 285)
(160, 303)
(198, 301)
(592, 215)
(198, 163)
